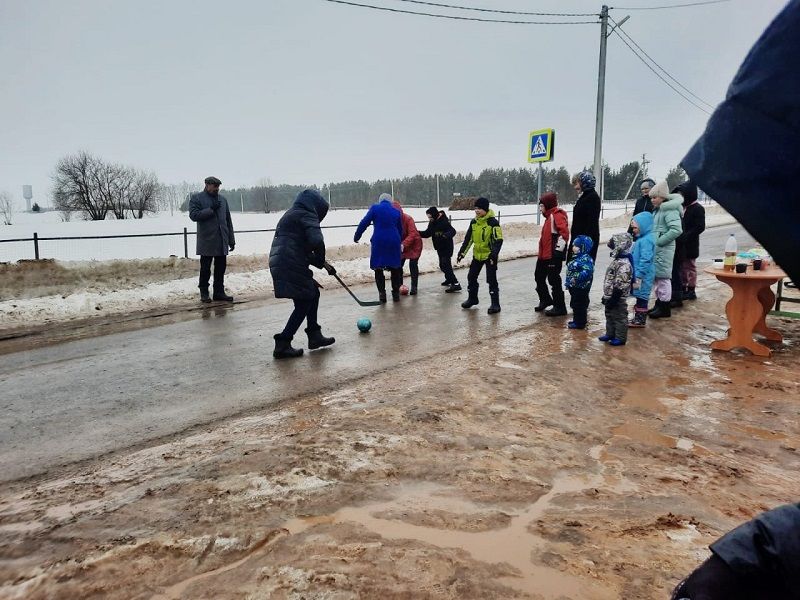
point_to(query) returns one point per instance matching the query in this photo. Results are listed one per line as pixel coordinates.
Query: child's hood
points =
(645, 222)
(584, 244)
(485, 217)
(620, 243)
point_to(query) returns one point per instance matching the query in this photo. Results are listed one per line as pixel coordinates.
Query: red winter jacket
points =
(558, 217)
(412, 241)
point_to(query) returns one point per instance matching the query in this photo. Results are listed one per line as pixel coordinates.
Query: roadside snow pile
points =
(53, 292)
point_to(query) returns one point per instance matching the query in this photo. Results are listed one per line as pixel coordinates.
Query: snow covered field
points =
(48, 225)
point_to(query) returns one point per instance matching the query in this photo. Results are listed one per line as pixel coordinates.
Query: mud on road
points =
(538, 464)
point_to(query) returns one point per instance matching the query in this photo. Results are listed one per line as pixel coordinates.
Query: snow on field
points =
(352, 262)
(339, 229)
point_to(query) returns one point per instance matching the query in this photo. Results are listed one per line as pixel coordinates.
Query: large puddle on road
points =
(514, 545)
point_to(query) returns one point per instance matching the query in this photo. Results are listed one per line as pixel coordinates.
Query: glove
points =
(215, 204)
(232, 246)
(329, 268)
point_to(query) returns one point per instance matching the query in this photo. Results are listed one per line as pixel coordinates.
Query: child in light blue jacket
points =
(644, 266)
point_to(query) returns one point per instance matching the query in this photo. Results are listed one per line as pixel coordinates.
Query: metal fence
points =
(152, 245)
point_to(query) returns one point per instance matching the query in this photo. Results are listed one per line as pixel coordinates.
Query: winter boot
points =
(616, 342)
(556, 311)
(494, 307)
(677, 301)
(221, 296)
(283, 348)
(689, 294)
(472, 299)
(382, 296)
(661, 311)
(542, 305)
(204, 297)
(454, 287)
(395, 295)
(316, 339)
(639, 318)
(575, 325)
(445, 283)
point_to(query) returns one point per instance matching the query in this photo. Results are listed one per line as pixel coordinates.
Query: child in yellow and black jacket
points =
(486, 238)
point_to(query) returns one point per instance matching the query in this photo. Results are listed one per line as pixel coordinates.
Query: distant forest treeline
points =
(501, 186)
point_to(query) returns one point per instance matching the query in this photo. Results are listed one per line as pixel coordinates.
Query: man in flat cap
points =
(214, 237)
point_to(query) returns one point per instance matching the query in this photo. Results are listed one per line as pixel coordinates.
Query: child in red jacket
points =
(552, 251)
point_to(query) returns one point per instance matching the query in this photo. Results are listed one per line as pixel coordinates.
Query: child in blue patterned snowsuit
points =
(580, 273)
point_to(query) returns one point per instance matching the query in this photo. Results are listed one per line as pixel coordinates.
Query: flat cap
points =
(212, 181)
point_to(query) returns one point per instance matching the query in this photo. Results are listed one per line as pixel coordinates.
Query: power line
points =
(657, 74)
(457, 18)
(669, 5)
(667, 73)
(504, 12)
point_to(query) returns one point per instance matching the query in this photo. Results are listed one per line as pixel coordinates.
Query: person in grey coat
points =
(214, 237)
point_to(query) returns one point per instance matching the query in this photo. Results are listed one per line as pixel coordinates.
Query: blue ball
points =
(364, 325)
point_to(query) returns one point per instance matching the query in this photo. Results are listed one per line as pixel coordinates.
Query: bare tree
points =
(75, 187)
(143, 197)
(6, 207)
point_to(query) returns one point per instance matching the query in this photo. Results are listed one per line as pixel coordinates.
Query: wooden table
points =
(747, 309)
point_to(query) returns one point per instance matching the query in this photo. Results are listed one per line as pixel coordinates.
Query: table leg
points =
(767, 298)
(744, 310)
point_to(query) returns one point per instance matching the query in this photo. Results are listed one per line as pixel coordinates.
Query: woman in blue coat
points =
(644, 265)
(387, 224)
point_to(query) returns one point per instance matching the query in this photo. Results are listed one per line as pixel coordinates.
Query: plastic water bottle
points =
(731, 249)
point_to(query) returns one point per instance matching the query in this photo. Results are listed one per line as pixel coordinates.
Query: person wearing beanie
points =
(410, 247)
(694, 223)
(552, 251)
(666, 229)
(385, 252)
(442, 233)
(486, 238)
(586, 212)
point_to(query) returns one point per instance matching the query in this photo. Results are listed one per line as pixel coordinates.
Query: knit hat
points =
(689, 192)
(588, 181)
(549, 200)
(482, 203)
(433, 211)
(383, 197)
(660, 190)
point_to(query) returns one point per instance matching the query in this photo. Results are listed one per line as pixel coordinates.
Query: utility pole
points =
(601, 94)
(241, 199)
(437, 191)
(645, 162)
(392, 181)
(539, 190)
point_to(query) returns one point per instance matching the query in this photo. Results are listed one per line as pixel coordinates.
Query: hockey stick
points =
(360, 302)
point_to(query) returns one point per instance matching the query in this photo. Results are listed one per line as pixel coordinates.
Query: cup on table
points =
(756, 264)
(741, 267)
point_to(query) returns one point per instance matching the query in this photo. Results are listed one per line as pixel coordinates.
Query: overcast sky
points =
(307, 91)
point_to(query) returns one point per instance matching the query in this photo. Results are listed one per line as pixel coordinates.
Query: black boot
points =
(556, 310)
(382, 296)
(661, 311)
(676, 302)
(543, 303)
(495, 305)
(220, 295)
(454, 287)
(316, 339)
(204, 297)
(689, 294)
(395, 295)
(283, 348)
(472, 299)
(380, 283)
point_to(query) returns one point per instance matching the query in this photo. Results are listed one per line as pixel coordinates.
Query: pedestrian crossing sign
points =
(540, 145)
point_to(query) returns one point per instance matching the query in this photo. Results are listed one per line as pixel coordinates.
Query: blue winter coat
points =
(387, 224)
(748, 158)
(644, 256)
(298, 243)
(580, 270)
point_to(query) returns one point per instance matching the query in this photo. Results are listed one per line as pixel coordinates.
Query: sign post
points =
(541, 149)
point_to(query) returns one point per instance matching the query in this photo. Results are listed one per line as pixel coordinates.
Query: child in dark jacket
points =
(442, 233)
(616, 288)
(580, 273)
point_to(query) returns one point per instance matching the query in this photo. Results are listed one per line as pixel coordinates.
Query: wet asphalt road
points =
(80, 399)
